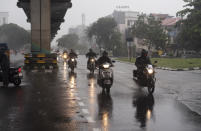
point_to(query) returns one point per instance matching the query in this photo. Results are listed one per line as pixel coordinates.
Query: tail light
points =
(19, 70)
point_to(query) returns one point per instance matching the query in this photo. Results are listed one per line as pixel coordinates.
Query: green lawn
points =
(172, 62)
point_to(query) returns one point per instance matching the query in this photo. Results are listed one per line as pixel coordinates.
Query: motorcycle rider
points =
(142, 61)
(65, 52)
(4, 64)
(72, 54)
(90, 54)
(104, 58)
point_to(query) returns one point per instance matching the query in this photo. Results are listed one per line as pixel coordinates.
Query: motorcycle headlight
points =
(150, 71)
(106, 66)
(65, 56)
(73, 60)
(92, 60)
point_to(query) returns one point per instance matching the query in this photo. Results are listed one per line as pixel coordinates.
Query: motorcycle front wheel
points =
(151, 87)
(107, 88)
(72, 69)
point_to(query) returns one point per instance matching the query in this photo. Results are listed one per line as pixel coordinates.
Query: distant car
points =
(191, 54)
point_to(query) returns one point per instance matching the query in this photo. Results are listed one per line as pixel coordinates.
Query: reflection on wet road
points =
(64, 101)
(144, 104)
(105, 107)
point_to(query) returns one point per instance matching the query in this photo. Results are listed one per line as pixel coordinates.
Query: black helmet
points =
(144, 52)
(105, 53)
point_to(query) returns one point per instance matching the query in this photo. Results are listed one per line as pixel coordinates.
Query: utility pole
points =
(129, 41)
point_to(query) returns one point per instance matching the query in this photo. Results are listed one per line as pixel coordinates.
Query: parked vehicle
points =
(15, 76)
(146, 77)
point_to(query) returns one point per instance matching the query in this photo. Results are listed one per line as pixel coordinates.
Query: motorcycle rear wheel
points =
(17, 82)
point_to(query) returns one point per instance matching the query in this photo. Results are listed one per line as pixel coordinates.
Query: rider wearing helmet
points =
(104, 58)
(90, 54)
(142, 61)
(72, 54)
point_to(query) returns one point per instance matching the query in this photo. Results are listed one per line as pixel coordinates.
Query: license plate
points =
(20, 75)
(107, 82)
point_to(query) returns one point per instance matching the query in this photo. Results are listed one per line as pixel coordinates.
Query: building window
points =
(4, 20)
(130, 23)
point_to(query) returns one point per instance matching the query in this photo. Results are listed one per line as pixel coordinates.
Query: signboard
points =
(122, 7)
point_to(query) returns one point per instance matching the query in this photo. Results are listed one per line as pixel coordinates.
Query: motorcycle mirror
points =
(155, 62)
(113, 61)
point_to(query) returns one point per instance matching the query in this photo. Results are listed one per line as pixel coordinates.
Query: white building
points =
(3, 18)
(125, 19)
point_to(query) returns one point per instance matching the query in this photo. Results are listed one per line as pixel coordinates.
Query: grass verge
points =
(175, 63)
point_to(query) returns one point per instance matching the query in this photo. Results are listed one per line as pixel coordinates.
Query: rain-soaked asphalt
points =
(62, 101)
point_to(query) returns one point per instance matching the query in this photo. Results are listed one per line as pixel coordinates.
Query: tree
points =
(15, 36)
(151, 31)
(102, 30)
(69, 41)
(189, 36)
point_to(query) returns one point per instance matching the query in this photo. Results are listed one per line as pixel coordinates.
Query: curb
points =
(166, 68)
(179, 69)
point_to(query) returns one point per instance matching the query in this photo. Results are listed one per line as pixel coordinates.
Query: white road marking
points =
(85, 111)
(34, 71)
(96, 129)
(90, 120)
(76, 94)
(122, 72)
(81, 103)
(78, 98)
(48, 71)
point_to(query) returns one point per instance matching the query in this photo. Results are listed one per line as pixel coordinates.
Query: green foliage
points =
(151, 31)
(172, 62)
(140, 28)
(103, 30)
(69, 41)
(15, 36)
(189, 36)
(107, 36)
(116, 45)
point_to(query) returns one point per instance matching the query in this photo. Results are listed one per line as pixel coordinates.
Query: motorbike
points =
(65, 57)
(91, 65)
(105, 77)
(146, 77)
(15, 75)
(72, 63)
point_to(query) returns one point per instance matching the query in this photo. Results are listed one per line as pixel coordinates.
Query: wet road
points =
(62, 101)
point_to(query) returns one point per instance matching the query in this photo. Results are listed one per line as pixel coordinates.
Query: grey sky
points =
(93, 9)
